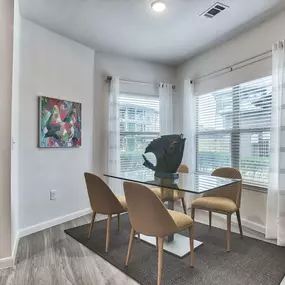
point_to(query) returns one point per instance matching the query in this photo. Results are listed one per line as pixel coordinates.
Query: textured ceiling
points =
(130, 28)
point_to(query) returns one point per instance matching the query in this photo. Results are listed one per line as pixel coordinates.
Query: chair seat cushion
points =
(215, 204)
(122, 200)
(181, 220)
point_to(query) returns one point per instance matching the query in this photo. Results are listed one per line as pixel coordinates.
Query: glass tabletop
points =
(188, 182)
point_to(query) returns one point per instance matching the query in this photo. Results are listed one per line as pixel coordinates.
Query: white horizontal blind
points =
(233, 129)
(139, 125)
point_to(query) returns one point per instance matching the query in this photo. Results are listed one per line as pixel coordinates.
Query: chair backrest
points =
(168, 194)
(232, 191)
(183, 168)
(147, 213)
(102, 199)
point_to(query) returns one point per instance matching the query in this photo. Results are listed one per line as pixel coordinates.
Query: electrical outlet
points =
(52, 195)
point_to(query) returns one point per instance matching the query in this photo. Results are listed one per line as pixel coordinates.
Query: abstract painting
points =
(60, 123)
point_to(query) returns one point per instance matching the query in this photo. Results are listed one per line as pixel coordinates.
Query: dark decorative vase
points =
(168, 151)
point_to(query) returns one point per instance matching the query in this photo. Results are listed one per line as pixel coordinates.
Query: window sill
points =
(254, 188)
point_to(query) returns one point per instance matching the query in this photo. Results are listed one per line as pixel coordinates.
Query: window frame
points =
(235, 135)
(125, 134)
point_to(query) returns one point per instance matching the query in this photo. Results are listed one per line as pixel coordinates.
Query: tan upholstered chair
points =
(172, 195)
(103, 201)
(225, 200)
(149, 216)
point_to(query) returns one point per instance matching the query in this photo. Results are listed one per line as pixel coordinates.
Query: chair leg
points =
(210, 219)
(91, 225)
(156, 243)
(139, 237)
(228, 232)
(108, 232)
(192, 253)
(131, 242)
(184, 206)
(118, 217)
(160, 259)
(239, 223)
(193, 213)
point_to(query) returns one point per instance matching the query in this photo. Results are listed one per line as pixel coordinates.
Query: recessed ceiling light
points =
(158, 6)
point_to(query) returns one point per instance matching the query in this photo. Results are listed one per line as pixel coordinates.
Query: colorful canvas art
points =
(60, 123)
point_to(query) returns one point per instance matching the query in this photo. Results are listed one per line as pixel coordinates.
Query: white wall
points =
(54, 66)
(6, 53)
(15, 129)
(248, 44)
(251, 43)
(110, 65)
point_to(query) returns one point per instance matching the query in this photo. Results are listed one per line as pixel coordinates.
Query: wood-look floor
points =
(51, 257)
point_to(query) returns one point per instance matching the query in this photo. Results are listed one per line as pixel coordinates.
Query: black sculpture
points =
(168, 151)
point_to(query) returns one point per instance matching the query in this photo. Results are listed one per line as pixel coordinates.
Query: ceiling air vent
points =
(214, 10)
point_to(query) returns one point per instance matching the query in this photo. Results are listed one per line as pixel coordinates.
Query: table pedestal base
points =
(179, 247)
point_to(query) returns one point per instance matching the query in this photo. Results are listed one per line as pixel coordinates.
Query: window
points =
(139, 125)
(233, 129)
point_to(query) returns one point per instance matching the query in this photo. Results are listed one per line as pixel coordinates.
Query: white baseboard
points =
(251, 225)
(245, 223)
(54, 222)
(15, 247)
(6, 262)
(10, 261)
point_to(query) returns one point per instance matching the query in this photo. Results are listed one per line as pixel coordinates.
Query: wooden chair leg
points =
(210, 219)
(192, 253)
(131, 242)
(108, 232)
(193, 213)
(160, 260)
(228, 232)
(184, 206)
(91, 225)
(239, 223)
(118, 217)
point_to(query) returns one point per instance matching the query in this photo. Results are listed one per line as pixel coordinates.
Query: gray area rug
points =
(250, 262)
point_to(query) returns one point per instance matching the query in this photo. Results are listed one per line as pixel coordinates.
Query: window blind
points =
(139, 125)
(233, 130)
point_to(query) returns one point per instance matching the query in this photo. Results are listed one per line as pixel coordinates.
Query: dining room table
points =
(192, 183)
